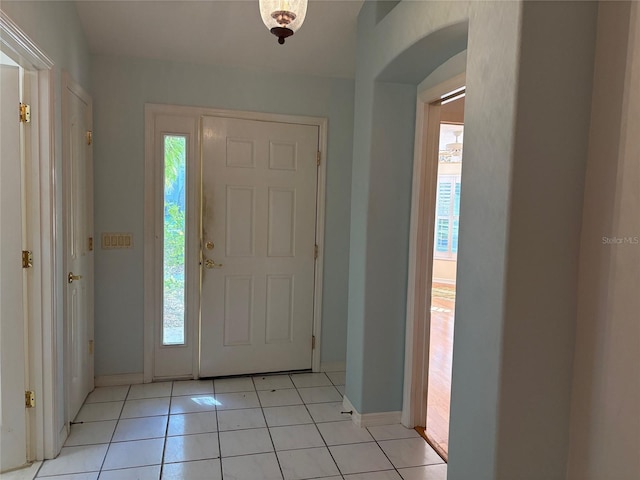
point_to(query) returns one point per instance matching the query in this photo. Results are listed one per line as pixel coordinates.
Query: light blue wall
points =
(387, 74)
(606, 380)
(529, 73)
(121, 88)
(551, 142)
(55, 28)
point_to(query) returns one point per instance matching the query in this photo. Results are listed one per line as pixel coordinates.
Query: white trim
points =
(152, 110)
(333, 366)
(382, 418)
(185, 356)
(370, 419)
(43, 322)
(62, 435)
(149, 242)
(121, 379)
(434, 94)
(187, 111)
(51, 270)
(421, 239)
(27, 51)
(320, 217)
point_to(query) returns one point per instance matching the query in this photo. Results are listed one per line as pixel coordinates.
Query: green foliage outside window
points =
(174, 239)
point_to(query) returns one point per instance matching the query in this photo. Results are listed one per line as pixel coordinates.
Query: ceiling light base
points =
(281, 33)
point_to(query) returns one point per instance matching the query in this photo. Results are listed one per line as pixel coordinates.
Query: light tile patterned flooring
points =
(251, 428)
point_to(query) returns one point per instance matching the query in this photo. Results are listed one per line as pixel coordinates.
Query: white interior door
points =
(77, 185)
(259, 184)
(13, 427)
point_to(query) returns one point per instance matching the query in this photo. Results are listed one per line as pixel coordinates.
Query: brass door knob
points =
(208, 263)
(71, 277)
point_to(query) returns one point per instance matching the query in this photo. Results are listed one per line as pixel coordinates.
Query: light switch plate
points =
(111, 240)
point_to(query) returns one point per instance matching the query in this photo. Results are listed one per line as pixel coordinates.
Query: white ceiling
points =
(224, 33)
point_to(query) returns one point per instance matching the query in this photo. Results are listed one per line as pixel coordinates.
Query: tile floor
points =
(252, 428)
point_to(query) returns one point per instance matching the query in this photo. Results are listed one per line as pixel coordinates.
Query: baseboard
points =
(370, 419)
(121, 379)
(333, 366)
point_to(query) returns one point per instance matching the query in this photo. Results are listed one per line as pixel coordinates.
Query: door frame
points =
(151, 301)
(189, 127)
(46, 438)
(421, 238)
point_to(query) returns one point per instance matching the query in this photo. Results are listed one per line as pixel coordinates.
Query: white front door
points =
(259, 185)
(13, 426)
(77, 185)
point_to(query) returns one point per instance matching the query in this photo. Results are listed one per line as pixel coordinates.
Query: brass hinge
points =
(91, 244)
(29, 399)
(318, 157)
(90, 347)
(25, 113)
(89, 137)
(315, 252)
(27, 259)
(313, 342)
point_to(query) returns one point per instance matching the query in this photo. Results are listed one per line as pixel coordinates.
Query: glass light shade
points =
(283, 13)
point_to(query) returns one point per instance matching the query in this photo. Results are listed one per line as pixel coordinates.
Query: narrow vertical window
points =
(174, 247)
(448, 191)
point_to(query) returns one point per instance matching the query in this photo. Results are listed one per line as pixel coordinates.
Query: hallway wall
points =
(121, 88)
(605, 408)
(526, 143)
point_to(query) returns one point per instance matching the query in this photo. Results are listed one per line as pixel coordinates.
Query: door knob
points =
(73, 277)
(208, 263)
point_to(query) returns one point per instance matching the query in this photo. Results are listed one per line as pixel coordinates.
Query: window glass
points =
(442, 235)
(174, 246)
(448, 190)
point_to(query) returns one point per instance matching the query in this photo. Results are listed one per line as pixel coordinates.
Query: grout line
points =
(164, 444)
(216, 412)
(320, 433)
(275, 453)
(218, 431)
(39, 468)
(114, 431)
(385, 453)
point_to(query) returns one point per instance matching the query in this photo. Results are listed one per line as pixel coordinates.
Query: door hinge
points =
(318, 158)
(27, 259)
(315, 252)
(90, 347)
(25, 113)
(91, 244)
(313, 342)
(89, 137)
(29, 399)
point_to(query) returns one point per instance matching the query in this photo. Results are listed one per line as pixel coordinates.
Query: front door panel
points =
(258, 233)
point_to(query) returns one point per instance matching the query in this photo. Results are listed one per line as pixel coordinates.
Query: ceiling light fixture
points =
(283, 17)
